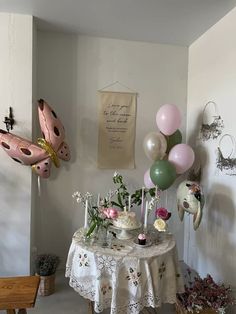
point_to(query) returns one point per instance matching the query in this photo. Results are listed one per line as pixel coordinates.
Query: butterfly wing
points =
(51, 126)
(43, 167)
(21, 150)
(64, 151)
(27, 153)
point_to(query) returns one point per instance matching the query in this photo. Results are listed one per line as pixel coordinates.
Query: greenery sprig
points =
(123, 194)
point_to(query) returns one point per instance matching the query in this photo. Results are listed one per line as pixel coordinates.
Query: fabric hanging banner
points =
(116, 137)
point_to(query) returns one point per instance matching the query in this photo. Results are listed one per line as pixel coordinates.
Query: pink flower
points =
(162, 213)
(110, 213)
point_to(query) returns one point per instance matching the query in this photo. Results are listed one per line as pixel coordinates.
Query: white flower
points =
(160, 224)
(116, 174)
(75, 194)
(78, 196)
(153, 202)
(87, 195)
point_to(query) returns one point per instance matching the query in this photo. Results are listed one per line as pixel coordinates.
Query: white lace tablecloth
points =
(124, 277)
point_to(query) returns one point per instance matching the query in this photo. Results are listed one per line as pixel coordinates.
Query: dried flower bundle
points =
(46, 264)
(203, 293)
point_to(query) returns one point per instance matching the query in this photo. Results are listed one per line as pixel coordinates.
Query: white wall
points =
(15, 180)
(212, 76)
(70, 71)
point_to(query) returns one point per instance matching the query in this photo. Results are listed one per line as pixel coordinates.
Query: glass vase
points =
(103, 236)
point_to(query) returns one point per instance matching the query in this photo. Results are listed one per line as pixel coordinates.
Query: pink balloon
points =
(168, 119)
(182, 156)
(147, 180)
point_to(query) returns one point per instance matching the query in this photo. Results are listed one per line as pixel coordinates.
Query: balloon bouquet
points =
(170, 158)
(164, 148)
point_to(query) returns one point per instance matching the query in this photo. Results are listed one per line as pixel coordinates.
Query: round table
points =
(125, 277)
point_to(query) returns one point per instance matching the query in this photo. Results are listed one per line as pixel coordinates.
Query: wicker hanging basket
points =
(46, 285)
(181, 310)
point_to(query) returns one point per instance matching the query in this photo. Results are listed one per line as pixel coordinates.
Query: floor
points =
(66, 301)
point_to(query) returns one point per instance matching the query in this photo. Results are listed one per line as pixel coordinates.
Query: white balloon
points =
(155, 146)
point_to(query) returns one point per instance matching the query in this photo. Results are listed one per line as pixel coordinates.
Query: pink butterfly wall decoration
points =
(50, 147)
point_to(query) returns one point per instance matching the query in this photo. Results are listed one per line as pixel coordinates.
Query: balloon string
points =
(188, 240)
(166, 199)
(39, 186)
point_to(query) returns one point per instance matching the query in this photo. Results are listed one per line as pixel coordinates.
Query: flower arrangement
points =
(100, 215)
(205, 293)
(101, 212)
(162, 215)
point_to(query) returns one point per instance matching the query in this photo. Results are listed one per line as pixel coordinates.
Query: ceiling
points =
(178, 22)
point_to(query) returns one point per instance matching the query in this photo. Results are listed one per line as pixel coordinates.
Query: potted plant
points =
(204, 296)
(45, 267)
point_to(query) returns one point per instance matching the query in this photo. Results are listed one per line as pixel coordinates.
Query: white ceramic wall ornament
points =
(190, 199)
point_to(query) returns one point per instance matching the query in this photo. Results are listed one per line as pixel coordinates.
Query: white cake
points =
(126, 220)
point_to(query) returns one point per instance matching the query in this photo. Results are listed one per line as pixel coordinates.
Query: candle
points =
(125, 209)
(98, 201)
(109, 200)
(129, 202)
(142, 204)
(156, 191)
(146, 216)
(86, 215)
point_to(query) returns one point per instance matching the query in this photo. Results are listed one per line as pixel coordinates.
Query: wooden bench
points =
(18, 293)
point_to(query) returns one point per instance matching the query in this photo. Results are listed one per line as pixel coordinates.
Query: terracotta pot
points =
(46, 285)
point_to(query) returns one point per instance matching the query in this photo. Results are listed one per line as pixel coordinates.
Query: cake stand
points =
(125, 232)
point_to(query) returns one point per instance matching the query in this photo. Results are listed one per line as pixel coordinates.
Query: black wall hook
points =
(9, 121)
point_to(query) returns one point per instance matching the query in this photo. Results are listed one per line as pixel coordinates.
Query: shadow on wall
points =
(215, 240)
(89, 131)
(213, 245)
(54, 226)
(192, 138)
(57, 67)
(57, 77)
(13, 227)
(202, 157)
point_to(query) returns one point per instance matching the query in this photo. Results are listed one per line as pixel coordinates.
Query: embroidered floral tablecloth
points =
(124, 277)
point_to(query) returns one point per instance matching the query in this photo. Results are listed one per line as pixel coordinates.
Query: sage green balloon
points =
(163, 174)
(173, 139)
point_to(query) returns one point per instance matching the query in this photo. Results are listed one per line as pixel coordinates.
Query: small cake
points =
(126, 220)
(142, 239)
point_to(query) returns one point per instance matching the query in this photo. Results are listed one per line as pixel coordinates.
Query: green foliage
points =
(46, 264)
(123, 194)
